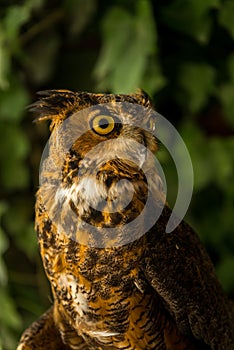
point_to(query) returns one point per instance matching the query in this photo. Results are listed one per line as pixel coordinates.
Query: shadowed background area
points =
(180, 52)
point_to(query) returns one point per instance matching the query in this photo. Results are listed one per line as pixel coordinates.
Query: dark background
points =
(181, 52)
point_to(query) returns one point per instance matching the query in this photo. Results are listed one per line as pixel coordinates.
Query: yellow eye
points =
(103, 124)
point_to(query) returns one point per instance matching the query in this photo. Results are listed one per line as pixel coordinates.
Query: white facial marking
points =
(90, 189)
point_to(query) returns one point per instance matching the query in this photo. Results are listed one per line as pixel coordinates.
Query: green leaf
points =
(8, 339)
(15, 175)
(129, 40)
(21, 228)
(116, 23)
(226, 16)
(14, 147)
(41, 67)
(199, 153)
(226, 91)
(190, 17)
(27, 241)
(198, 83)
(3, 269)
(230, 65)
(153, 80)
(10, 25)
(225, 273)
(78, 14)
(221, 157)
(21, 212)
(13, 101)
(8, 316)
(16, 16)
(4, 61)
(3, 246)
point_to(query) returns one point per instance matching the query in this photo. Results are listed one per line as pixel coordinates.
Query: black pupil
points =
(103, 123)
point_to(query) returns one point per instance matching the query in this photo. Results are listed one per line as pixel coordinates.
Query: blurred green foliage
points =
(180, 52)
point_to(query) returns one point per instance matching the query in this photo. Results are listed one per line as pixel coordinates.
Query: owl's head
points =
(99, 162)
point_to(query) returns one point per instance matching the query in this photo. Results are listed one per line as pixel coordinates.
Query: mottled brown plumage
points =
(158, 291)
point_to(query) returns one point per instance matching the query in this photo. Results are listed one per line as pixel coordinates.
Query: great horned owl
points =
(114, 288)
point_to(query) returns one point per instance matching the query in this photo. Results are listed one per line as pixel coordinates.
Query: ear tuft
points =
(143, 98)
(53, 105)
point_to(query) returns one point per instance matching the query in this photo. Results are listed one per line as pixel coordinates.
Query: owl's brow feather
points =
(57, 105)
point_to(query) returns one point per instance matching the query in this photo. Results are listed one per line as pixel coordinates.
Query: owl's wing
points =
(181, 272)
(42, 334)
